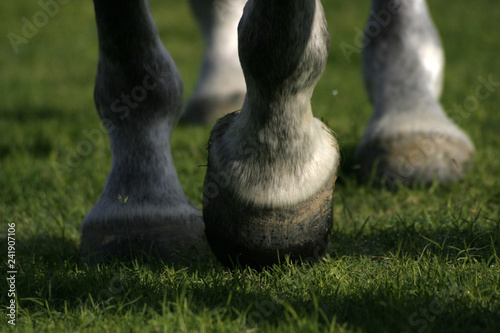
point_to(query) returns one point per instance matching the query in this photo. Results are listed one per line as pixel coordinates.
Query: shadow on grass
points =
(370, 311)
(50, 272)
(44, 249)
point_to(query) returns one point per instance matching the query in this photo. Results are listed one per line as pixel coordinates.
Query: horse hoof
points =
(249, 235)
(205, 110)
(415, 157)
(158, 236)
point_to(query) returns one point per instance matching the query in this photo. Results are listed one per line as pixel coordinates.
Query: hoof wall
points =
(415, 158)
(168, 241)
(257, 237)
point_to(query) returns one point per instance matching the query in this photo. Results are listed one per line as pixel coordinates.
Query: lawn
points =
(415, 260)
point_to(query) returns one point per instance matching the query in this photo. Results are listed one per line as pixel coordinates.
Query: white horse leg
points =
(409, 138)
(138, 96)
(272, 167)
(221, 85)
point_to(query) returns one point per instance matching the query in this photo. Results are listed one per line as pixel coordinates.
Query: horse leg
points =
(409, 138)
(139, 97)
(268, 190)
(221, 86)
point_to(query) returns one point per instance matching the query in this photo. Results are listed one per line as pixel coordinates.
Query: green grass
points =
(417, 260)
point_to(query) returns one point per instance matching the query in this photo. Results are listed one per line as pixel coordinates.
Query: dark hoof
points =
(173, 240)
(257, 237)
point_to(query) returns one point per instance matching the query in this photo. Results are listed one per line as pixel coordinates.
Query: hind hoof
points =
(206, 110)
(415, 158)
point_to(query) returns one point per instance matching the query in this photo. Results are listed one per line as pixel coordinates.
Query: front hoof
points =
(169, 239)
(242, 234)
(414, 158)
